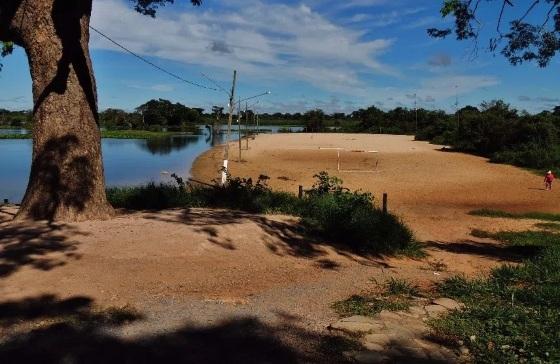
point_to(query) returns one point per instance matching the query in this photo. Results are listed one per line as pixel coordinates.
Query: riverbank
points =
(112, 134)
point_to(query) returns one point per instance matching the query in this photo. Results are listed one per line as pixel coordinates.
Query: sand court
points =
(431, 188)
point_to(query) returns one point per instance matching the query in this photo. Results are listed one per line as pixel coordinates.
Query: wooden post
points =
(300, 192)
(385, 203)
(7, 202)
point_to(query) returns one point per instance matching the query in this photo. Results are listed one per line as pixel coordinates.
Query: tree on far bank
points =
(314, 120)
(66, 180)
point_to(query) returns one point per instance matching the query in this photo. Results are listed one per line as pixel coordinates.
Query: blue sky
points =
(334, 55)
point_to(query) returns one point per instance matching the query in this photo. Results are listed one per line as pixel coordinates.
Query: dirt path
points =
(223, 281)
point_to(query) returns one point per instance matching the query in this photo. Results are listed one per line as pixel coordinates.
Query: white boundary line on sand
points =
(351, 151)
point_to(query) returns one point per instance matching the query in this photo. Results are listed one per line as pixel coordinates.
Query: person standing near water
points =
(548, 179)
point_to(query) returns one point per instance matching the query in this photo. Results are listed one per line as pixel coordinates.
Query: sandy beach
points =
(431, 189)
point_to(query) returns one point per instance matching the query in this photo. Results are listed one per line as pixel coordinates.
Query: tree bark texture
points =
(66, 180)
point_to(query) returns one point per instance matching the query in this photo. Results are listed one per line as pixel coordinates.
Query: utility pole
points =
(246, 126)
(231, 107)
(239, 126)
(258, 127)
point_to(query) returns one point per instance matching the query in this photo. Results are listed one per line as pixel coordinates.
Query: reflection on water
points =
(166, 145)
(14, 131)
(126, 161)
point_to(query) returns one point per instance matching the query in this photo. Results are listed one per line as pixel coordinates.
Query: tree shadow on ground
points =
(492, 250)
(282, 237)
(42, 246)
(50, 330)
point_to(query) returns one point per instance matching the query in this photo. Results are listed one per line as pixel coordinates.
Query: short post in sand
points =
(385, 209)
(231, 106)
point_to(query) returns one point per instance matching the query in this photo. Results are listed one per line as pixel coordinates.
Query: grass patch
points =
(349, 219)
(545, 216)
(550, 226)
(397, 286)
(397, 295)
(514, 314)
(110, 134)
(436, 266)
(15, 136)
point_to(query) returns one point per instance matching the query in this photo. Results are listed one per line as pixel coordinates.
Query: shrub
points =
(330, 210)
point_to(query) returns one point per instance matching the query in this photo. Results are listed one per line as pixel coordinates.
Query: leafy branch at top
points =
(149, 7)
(6, 49)
(524, 41)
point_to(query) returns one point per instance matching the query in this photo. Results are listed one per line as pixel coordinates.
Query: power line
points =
(215, 83)
(151, 63)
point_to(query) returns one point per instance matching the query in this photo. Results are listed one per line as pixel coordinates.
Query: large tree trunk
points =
(66, 180)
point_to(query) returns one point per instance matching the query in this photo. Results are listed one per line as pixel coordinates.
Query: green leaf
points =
(7, 48)
(449, 7)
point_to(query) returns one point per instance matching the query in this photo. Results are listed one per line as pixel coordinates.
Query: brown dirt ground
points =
(431, 189)
(202, 266)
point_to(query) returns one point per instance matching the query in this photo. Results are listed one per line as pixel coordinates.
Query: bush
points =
(347, 218)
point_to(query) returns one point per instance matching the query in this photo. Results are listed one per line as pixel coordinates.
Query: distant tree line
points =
(15, 119)
(154, 115)
(494, 130)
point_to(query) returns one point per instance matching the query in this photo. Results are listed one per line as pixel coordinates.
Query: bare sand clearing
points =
(431, 189)
(201, 266)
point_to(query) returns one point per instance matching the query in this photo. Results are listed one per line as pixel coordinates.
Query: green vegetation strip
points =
(397, 295)
(136, 134)
(15, 136)
(347, 219)
(111, 134)
(545, 216)
(512, 316)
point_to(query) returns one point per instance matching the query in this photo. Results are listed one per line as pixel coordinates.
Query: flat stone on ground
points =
(370, 357)
(447, 303)
(357, 324)
(384, 315)
(434, 310)
(380, 339)
(417, 310)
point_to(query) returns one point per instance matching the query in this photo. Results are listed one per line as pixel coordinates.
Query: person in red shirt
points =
(548, 178)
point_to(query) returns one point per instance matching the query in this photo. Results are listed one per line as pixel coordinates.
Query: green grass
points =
(15, 136)
(110, 134)
(514, 314)
(135, 134)
(397, 295)
(369, 305)
(545, 216)
(348, 219)
(550, 226)
(398, 286)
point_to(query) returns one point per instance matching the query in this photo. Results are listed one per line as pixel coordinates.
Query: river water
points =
(126, 161)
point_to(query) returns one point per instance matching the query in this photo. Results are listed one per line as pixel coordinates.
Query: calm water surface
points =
(126, 161)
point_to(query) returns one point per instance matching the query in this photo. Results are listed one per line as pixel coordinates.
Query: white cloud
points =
(156, 88)
(271, 41)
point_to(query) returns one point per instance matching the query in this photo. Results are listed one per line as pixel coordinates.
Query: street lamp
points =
(231, 106)
(239, 113)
